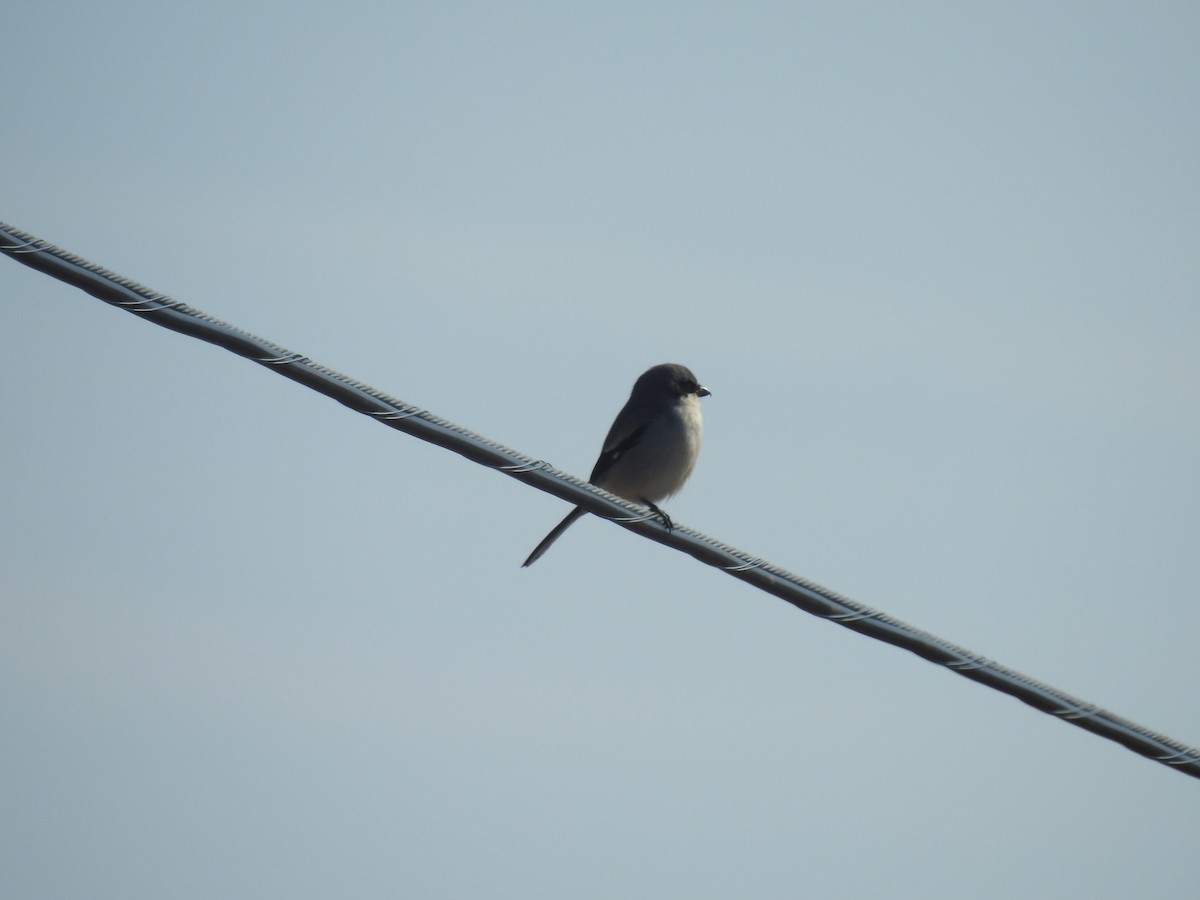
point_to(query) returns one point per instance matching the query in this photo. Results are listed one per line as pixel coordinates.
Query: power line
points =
(805, 595)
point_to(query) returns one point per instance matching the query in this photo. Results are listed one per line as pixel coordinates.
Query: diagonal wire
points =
(805, 595)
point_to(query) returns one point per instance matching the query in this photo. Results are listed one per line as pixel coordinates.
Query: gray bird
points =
(651, 448)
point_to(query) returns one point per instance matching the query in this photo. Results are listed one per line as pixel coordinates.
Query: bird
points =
(651, 447)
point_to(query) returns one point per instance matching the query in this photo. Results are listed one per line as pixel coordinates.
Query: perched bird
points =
(652, 446)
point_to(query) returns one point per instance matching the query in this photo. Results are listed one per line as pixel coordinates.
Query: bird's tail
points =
(552, 536)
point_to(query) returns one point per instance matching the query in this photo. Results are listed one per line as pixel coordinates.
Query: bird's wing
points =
(614, 448)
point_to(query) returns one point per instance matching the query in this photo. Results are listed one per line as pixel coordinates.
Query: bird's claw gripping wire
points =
(666, 520)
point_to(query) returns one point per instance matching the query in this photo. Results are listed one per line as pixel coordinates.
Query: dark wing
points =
(614, 451)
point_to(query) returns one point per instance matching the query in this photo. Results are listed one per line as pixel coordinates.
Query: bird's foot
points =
(666, 520)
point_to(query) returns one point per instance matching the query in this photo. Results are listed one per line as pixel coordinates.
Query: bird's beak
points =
(703, 392)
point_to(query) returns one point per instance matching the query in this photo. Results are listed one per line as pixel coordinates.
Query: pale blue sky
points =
(938, 264)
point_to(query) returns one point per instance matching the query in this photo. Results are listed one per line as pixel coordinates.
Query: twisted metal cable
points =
(803, 594)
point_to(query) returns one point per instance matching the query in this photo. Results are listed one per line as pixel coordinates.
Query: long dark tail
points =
(552, 536)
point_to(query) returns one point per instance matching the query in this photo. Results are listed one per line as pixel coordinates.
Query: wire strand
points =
(801, 593)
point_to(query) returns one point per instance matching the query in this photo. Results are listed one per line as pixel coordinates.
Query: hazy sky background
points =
(939, 264)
